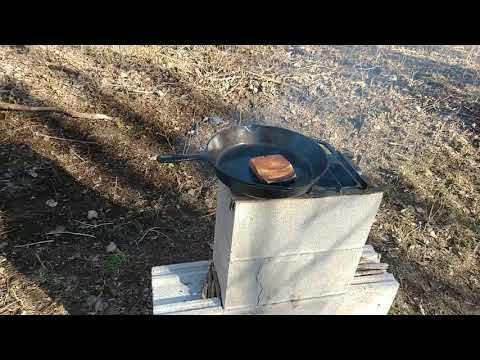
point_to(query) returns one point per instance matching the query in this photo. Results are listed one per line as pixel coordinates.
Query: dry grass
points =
(410, 116)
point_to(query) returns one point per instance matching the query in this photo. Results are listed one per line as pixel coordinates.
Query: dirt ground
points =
(408, 114)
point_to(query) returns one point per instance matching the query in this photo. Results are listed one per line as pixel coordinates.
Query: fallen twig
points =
(208, 215)
(75, 114)
(154, 229)
(35, 243)
(127, 88)
(68, 232)
(438, 102)
(63, 139)
(76, 155)
(2, 310)
(93, 225)
(40, 260)
(267, 78)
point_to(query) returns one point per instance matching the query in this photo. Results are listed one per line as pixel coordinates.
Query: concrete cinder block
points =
(248, 228)
(325, 305)
(273, 280)
(223, 235)
(256, 240)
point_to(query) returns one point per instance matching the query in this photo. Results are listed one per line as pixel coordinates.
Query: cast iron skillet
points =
(230, 150)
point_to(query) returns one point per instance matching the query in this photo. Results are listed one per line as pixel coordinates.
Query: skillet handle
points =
(180, 157)
(328, 146)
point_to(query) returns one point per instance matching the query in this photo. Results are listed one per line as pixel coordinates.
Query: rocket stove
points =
(296, 255)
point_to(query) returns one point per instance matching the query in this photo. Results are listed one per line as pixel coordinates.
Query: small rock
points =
(92, 214)
(422, 311)
(32, 173)
(91, 300)
(386, 238)
(112, 247)
(215, 120)
(51, 203)
(434, 284)
(100, 305)
(432, 234)
(75, 256)
(418, 108)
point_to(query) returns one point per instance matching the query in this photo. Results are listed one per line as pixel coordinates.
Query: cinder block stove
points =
(304, 255)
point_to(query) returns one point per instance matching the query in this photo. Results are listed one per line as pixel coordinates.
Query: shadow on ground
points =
(158, 225)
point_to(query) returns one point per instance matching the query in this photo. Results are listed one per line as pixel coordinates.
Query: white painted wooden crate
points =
(177, 291)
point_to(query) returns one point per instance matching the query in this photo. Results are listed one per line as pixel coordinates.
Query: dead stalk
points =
(34, 243)
(91, 225)
(154, 229)
(76, 114)
(69, 233)
(40, 261)
(63, 139)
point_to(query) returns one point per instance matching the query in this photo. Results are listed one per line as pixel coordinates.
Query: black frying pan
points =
(230, 150)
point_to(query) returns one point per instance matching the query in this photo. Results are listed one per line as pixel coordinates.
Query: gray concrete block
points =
(325, 305)
(279, 279)
(279, 227)
(223, 236)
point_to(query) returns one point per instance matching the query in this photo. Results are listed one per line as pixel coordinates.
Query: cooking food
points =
(272, 168)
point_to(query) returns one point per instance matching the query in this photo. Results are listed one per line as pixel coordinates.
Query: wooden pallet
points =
(192, 288)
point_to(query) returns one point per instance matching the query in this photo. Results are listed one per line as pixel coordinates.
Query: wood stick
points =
(369, 272)
(92, 225)
(63, 139)
(267, 78)
(69, 232)
(35, 243)
(372, 266)
(2, 310)
(75, 114)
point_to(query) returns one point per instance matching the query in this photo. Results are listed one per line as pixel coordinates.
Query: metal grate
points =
(341, 174)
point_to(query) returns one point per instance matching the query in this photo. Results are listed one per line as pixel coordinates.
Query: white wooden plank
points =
(176, 268)
(186, 306)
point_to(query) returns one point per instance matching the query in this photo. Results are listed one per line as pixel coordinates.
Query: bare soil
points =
(409, 115)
